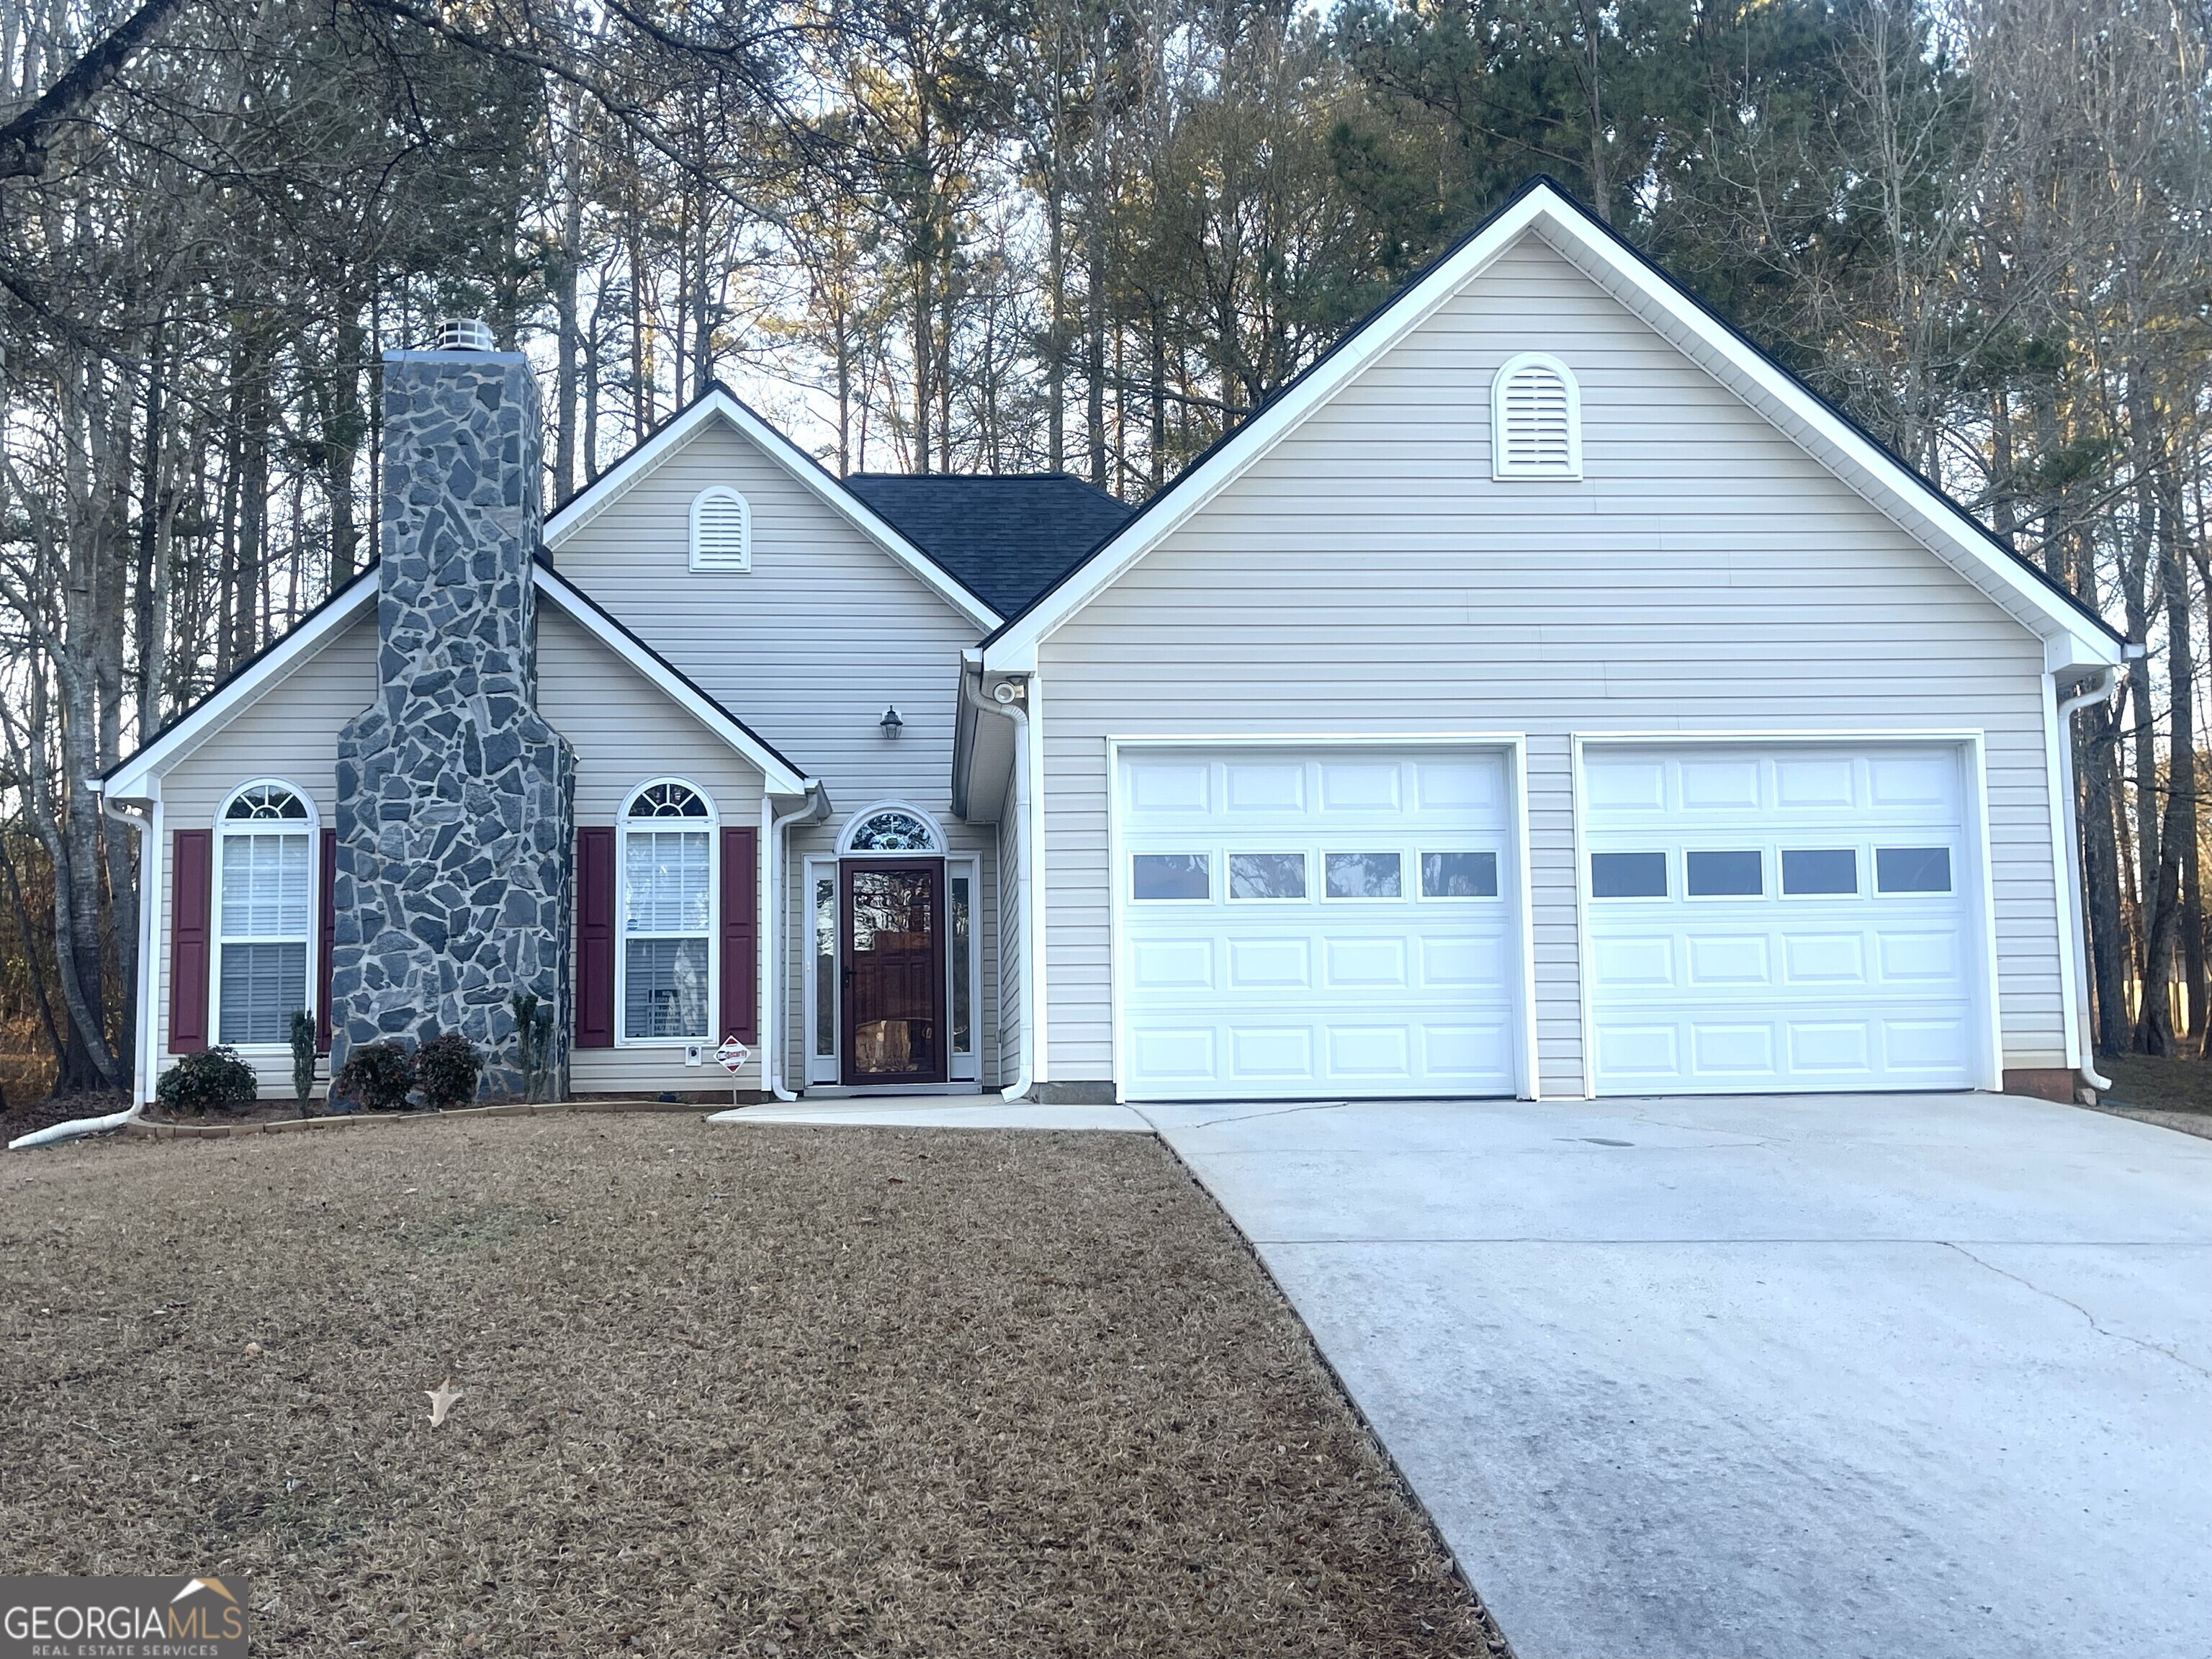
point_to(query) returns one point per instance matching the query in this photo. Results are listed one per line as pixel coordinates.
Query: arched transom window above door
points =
(892, 829)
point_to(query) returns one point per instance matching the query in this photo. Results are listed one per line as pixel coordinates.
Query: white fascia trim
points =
(1861, 465)
(131, 778)
(776, 777)
(718, 404)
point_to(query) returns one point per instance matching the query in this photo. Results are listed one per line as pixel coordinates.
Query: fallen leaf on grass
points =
(441, 1400)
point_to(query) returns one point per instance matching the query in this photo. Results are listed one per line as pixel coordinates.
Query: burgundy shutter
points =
(595, 938)
(191, 863)
(740, 931)
(328, 938)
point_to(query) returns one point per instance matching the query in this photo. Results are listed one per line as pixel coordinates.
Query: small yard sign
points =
(733, 1056)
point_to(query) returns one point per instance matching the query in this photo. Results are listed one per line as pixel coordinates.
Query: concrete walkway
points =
(1711, 1379)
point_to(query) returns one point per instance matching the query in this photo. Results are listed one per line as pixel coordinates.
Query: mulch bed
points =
(756, 1390)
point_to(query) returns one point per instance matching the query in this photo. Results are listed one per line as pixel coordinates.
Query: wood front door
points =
(891, 943)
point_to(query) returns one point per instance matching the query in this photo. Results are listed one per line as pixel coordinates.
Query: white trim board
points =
(718, 404)
(1893, 490)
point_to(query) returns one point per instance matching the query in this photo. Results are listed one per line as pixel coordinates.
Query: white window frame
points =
(1503, 468)
(311, 827)
(722, 564)
(708, 825)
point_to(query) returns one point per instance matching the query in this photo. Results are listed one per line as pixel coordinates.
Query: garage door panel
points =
(1737, 1049)
(1270, 964)
(1273, 983)
(1173, 965)
(1182, 787)
(1825, 959)
(1866, 973)
(1361, 786)
(1722, 959)
(1271, 1053)
(1468, 962)
(1175, 1055)
(1372, 1052)
(1642, 963)
(1720, 785)
(1365, 964)
(1264, 787)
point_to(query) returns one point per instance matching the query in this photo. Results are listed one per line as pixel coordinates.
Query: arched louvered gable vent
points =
(1536, 420)
(721, 531)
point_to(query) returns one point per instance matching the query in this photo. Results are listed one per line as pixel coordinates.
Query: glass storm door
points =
(892, 920)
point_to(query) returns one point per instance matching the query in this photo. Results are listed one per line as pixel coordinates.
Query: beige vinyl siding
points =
(289, 732)
(1369, 575)
(626, 731)
(808, 648)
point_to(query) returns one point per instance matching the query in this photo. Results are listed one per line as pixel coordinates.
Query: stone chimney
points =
(454, 817)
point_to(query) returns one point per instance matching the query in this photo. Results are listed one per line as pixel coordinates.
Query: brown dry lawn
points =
(756, 1390)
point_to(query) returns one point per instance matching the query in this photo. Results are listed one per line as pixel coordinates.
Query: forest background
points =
(1005, 235)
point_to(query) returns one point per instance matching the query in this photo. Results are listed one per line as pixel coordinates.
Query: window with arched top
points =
(892, 830)
(665, 973)
(1535, 420)
(265, 913)
(721, 531)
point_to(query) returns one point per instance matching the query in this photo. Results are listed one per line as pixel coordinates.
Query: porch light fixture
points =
(890, 726)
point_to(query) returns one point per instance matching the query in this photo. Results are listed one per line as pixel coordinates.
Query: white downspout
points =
(772, 825)
(2100, 690)
(971, 687)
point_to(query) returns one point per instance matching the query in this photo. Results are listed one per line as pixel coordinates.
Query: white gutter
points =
(142, 1071)
(811, 810)
(2100, 690)
(1007, 700)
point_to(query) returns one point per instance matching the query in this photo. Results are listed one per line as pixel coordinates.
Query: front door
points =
(892, 941)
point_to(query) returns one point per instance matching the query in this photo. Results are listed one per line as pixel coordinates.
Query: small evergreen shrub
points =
(376, 1077)
(446, 1068)
(213, 1080)
(303, 1058)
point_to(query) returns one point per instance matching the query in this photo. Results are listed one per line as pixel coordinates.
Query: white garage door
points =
(1298, 925)
(1784, 919)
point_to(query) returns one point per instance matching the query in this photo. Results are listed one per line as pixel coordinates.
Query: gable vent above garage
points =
(721, 531)
(1536, 420)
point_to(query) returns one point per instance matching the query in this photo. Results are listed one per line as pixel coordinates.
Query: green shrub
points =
(376, 1077)
(303, 1058)
(448, 1067)
(213, 1080)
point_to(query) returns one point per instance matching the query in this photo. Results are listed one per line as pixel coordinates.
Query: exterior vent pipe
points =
(464, 334)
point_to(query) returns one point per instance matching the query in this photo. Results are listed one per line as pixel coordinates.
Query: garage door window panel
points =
(1819, 871)
(1907, 869)
(1459, 875)
(1628, 875)
(1279, 878)
(1724, 874)
(1361, 876)
(1171, 878)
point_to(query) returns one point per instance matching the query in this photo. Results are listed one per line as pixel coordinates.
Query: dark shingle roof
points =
(1006, 538)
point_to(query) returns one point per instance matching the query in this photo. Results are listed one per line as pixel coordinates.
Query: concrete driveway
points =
(1761, 1378)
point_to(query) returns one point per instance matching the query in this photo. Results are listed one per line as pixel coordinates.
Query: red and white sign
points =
(733, 1056)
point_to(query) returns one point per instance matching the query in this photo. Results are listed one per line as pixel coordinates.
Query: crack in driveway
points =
(2116, 1336)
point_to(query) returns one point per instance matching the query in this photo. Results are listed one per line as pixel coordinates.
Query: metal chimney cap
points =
(464, 334)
